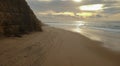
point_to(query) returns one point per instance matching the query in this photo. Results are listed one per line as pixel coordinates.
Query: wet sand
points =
(55, 47)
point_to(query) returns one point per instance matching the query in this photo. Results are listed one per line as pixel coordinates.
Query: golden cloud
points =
(86, 14)
(57, 13)
(80, 14)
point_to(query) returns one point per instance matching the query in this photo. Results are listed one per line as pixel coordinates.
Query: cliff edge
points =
(17, 18)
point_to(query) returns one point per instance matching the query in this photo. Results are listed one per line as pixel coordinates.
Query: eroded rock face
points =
(17, 18)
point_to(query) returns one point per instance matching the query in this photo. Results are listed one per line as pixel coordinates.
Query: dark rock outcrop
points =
(16, 18)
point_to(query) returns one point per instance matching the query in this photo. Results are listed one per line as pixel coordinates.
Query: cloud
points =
(86, 14)
(112, 10)
(56, 13)
(70, 9)
(93, 7)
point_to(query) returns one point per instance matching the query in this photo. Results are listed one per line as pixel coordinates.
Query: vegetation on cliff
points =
(16, 18)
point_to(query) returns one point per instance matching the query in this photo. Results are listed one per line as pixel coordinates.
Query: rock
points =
(17, 18)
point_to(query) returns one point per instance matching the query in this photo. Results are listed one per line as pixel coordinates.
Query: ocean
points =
(106, 32)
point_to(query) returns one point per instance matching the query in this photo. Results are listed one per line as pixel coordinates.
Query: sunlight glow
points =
(94, 7)
(85, 14)
(77, 0)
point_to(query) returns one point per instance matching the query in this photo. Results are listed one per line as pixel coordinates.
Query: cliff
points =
(17, 18)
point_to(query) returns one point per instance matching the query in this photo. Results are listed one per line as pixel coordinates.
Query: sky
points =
(76, 10)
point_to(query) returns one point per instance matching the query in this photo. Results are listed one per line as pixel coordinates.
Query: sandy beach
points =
(55, 47)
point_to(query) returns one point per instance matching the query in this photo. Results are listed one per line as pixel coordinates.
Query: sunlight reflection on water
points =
(111, 39)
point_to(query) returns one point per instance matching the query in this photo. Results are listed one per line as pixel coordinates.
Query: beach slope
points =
(55, 47)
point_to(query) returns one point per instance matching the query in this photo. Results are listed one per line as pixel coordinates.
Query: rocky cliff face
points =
(17, 18)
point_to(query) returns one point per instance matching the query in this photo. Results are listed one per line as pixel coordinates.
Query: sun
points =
(77, 0)
(93, 7)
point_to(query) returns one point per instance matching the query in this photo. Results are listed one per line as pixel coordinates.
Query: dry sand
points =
(55, 47)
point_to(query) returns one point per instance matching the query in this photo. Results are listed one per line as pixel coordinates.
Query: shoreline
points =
(55, 47)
